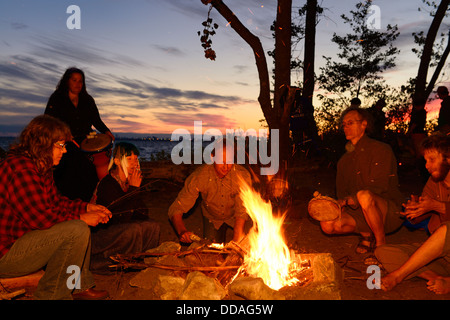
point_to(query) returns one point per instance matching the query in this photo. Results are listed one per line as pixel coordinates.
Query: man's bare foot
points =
(440, 285)
(389, 281)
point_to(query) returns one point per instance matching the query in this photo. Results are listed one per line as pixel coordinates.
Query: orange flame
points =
(269, 257)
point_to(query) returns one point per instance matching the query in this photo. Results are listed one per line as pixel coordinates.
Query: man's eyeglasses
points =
(62, 146)
(349, 123)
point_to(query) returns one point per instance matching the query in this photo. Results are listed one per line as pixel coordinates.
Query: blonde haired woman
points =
(131, 229)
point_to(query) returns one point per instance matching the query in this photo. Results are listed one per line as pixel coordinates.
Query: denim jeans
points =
(65, 244)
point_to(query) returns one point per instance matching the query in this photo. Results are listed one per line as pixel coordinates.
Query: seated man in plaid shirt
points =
(39, 227)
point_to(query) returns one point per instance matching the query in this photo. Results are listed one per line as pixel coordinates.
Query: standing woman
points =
(76, 175)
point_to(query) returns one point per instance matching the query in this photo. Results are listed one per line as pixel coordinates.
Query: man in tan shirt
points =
(221, 205)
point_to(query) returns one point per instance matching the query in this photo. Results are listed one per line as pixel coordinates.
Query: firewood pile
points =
(221, 262)
(168, 265)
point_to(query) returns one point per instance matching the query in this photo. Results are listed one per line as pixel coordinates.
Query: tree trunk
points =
(438, 69)
(309, 55)
(282, 99)
(422, 73)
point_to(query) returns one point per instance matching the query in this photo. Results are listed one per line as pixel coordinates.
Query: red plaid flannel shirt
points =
(29, 201)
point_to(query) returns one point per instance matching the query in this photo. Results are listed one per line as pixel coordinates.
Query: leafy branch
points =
(208, 31)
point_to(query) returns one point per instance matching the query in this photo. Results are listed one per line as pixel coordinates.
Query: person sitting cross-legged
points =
(366, 185)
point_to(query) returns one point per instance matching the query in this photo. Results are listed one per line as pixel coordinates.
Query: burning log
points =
(235, 258)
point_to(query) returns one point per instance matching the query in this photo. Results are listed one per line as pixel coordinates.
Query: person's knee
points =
(77, 229)
(132, 231)
(441, 232)
(366, 199)
(443, 228)
(151, 225)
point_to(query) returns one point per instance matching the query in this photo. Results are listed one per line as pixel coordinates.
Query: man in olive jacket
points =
(366, 185)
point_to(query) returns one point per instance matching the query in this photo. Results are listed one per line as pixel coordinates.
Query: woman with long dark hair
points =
(76, 176)
(39, 227)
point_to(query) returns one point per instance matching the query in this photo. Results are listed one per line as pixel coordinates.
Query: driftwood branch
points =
(9, 295)
(141, 265)
(232, 248)
(131, 256)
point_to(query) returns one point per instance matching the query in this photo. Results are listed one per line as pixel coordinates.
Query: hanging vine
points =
(208, 31)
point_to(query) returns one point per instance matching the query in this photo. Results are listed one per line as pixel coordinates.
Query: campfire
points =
(268, 257)
(262, 254)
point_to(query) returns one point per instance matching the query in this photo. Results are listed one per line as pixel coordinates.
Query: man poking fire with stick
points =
(366, 186)
(219, 187)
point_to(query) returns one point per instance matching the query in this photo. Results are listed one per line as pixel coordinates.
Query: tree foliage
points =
(363, 55)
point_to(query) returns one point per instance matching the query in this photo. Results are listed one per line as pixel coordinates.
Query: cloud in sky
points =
(18, 25)
(169, 50)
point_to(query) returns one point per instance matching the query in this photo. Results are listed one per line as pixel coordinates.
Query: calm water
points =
(147, 148)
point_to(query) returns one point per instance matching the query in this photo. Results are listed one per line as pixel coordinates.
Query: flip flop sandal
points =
(371, 260)
(365, 245)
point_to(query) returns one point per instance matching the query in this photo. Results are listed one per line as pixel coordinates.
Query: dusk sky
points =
(145, 66)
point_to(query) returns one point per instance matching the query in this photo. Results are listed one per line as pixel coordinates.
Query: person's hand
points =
(135, 177)
(92, 219)
(186, 237)
(102, 212)
(91, 207)
(347, 201)
(342, 202)
(416, 207)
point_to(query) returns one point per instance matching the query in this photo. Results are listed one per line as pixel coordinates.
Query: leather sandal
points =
(366, 244)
